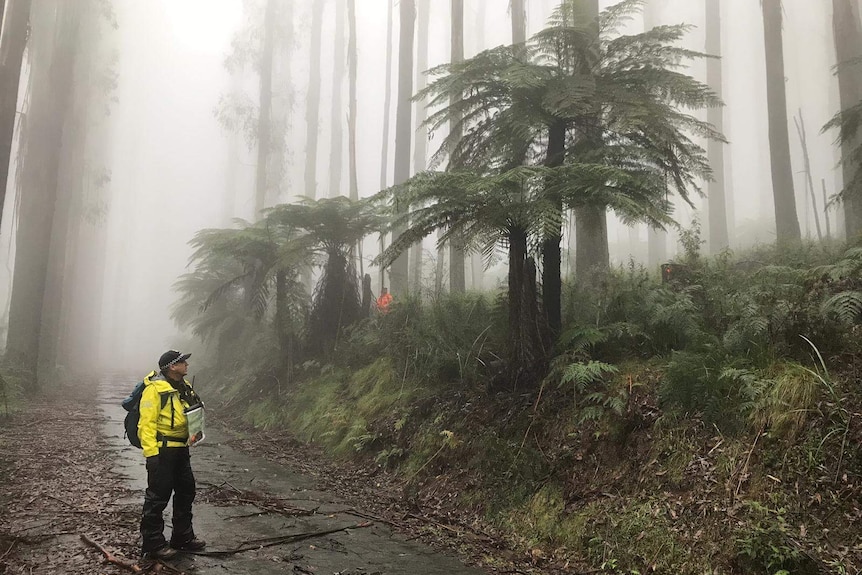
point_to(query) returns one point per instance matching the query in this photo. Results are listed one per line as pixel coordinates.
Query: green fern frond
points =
(582, 374)
(580, 338)
(846, 307)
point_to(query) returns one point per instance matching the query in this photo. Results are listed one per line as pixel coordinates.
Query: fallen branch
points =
(459, 531)
(9, 550)
(110, 558)
(744, 471)
(364, 515)
(280, 540)
(437, 523)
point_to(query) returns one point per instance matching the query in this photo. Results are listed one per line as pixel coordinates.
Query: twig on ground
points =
(744, 469)
(9, 550)
(437, 523)
(111, 558)
(461, 530)
(355, 512)
(66, 503)
(280, 540)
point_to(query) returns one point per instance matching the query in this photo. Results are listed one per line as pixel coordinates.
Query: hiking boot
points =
(191, 545)
(162, 553)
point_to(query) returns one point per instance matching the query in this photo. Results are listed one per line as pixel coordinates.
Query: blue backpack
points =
(132, 405)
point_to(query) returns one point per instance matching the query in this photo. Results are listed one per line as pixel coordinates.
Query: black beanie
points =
(171, 357)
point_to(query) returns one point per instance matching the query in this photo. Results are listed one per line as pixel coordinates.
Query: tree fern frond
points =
(846, 307)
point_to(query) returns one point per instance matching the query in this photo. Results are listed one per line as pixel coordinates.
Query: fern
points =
(580, 375)
(845, 307)
(599, 403)
(579, 339)
(709, 382)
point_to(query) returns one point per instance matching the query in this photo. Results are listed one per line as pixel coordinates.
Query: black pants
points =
(170, 472)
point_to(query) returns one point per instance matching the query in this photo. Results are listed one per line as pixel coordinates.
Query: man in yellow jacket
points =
(163, 431)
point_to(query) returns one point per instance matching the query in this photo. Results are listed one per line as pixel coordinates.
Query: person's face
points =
(179, 370)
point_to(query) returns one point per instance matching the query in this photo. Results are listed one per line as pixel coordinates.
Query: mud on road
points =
(67, 474)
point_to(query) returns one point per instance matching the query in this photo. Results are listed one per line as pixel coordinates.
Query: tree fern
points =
(622, 104)
(847, 124)
(848, 267)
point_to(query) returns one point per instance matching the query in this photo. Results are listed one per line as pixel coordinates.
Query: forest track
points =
(70, 483)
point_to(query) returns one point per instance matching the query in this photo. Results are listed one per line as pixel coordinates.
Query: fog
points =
(174, 169)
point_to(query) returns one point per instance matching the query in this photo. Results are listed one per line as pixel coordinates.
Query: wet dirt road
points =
(218, 466)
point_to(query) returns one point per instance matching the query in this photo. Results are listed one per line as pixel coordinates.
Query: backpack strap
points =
(164, 439)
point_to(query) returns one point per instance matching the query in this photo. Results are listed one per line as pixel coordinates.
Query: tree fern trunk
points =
(281, 319)
(524, 341)
(551, 250)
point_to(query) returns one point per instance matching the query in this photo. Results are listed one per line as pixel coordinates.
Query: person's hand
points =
(152, 462)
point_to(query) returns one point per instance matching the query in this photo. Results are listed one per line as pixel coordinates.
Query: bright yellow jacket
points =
(163, 421)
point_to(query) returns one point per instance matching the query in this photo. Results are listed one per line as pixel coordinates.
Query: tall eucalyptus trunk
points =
(312, 106)
(716, 191)
(519, 21)
(784, 198)
(403, 130)
(14, 41)
(232, 164)
(591, 223)
(264, 119)
(352, 62)
(336, 158)
(591, 250)
(387, 112)
(656, 238)
(63, 268)
(476, 265)
(848, 46)
(52, 62)
(457, 280)
(420, 147)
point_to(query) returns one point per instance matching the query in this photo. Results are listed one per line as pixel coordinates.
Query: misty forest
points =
(546, 286)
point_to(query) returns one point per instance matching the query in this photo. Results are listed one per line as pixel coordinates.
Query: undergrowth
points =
(693, 426)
